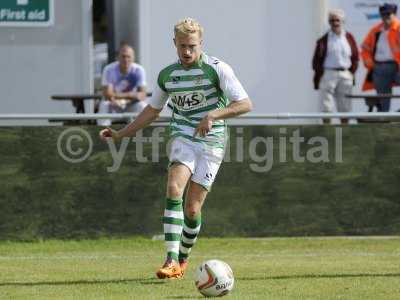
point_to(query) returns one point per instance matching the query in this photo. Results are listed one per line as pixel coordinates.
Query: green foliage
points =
(43, 196)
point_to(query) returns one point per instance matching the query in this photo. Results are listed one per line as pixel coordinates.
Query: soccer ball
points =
(214, 278)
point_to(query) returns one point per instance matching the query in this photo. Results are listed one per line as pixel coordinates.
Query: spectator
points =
(335, 61)
(380, 52)
(124, 85)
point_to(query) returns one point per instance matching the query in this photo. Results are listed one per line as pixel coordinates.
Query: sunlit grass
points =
(295, 268)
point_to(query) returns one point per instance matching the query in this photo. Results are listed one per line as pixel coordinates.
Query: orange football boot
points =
(170, 269)
(183, 264)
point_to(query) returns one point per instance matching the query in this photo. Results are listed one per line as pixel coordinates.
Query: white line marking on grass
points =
(317, 238)
(83, 257)
(116, 257)
(305, 255)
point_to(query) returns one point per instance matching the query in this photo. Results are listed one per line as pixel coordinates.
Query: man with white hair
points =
(335, 62)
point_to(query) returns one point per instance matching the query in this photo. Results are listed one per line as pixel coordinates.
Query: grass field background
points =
(279, 268)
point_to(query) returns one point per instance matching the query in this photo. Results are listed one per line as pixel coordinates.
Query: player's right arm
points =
(145, 118)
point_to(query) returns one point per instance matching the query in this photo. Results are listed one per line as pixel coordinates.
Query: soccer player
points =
(204, 91)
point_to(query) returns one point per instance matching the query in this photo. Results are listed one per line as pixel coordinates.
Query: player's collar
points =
(200, 62)
(197, 64)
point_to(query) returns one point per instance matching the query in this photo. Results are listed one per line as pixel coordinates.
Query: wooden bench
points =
(77, 100)
(375, 97)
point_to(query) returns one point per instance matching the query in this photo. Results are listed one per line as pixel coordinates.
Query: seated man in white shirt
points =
(124, 85)
(335, 62)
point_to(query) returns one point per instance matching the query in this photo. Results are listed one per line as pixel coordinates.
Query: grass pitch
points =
(294, 268)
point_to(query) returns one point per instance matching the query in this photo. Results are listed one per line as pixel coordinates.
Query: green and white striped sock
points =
(191, 229)
(173, 220)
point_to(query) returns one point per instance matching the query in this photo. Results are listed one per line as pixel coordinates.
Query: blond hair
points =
(188, 26)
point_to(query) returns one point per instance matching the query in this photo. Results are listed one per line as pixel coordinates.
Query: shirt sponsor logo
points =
(187, 101)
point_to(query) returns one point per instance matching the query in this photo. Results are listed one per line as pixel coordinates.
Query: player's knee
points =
(175, 190)
(192, 211)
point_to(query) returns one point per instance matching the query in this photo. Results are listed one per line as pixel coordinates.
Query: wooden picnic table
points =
(77, 100)
(372, 97)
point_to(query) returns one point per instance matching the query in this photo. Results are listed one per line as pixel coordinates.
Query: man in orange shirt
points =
(380, 52)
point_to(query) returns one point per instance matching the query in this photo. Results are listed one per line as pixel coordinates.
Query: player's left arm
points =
(233, 89)
(234, 109)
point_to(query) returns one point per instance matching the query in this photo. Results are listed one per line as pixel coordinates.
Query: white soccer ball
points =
(214, 278)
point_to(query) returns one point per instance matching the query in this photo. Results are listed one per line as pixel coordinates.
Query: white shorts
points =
(202, 161)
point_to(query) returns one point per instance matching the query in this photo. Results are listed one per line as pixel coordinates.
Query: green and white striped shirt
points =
(207, 85)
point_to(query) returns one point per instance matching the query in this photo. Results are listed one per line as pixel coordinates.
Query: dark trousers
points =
(383, 76)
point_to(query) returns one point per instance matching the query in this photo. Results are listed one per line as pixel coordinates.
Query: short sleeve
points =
(229, 83)
(159, 98)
